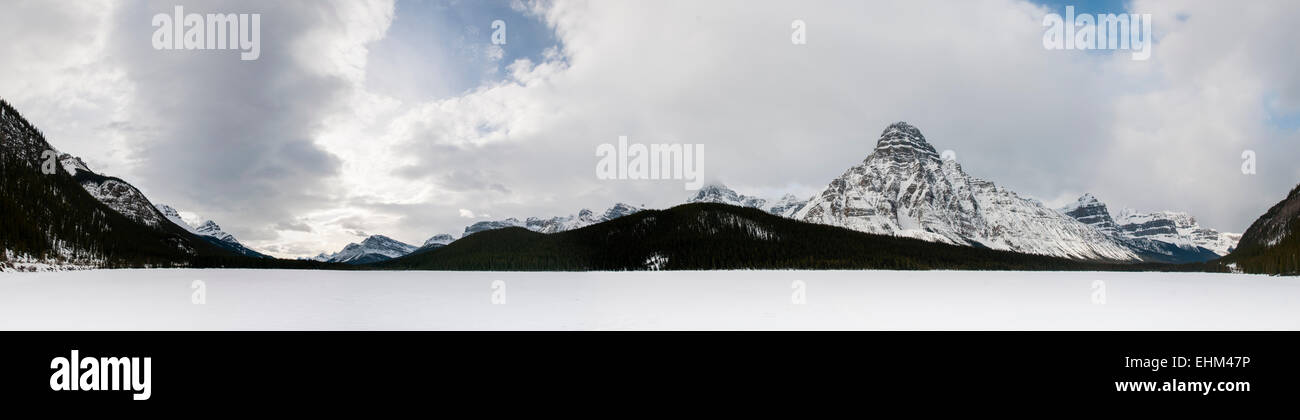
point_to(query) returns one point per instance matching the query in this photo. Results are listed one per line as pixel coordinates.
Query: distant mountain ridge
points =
(439, 239)
(1165, 236)
(584, 217)
(786, 206)
(374, 248)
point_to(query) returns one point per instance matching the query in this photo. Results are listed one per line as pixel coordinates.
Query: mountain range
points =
(74, 217)
(905, 188)
(710, 236)
(584, 217)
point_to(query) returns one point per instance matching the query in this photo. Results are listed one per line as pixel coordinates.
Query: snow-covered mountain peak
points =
(372, 249)
(175, 217)
(719, 193)
(168, 211)
(210, 228)
(440, 239)
(619, 210)
(905, 142)
(583, 218)
(713, 191)
(490, 225)
(1091, 211)
(1085, 200)
(380, 241)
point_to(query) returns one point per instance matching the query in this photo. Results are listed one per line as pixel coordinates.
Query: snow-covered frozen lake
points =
(744, 300)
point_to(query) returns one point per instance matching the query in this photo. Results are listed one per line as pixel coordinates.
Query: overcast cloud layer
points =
(316, 143)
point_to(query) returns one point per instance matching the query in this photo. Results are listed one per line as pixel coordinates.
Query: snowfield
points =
(162, 299)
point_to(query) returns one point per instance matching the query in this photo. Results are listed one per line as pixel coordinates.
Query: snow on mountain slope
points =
(787, 206)
(440, 239)
(903, 188)
(437, 241)
(491, 225)
(210, 228)
(719, 193)
(113, 192)
(373, 249)
(175, 217)
(1090, 211)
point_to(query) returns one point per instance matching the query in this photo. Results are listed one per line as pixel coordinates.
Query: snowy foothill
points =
(185, 299)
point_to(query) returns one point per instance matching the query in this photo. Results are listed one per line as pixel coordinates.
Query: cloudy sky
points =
(403, 118)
